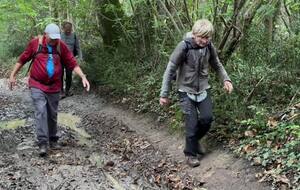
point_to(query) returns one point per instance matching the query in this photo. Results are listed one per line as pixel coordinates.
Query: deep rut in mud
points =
(100, 152)
(103, 149)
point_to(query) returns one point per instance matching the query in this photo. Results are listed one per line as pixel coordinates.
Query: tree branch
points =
(187, 13)
(170, 16)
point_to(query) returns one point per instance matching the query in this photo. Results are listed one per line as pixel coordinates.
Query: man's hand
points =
(12, 78)
(164, 101)
(228, 86)
(12, 82)
(85, 83)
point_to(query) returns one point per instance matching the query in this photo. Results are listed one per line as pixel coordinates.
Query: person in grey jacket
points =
(72, 41)
(191, 60)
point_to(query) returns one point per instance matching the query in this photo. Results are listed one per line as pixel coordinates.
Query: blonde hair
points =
(203, 27)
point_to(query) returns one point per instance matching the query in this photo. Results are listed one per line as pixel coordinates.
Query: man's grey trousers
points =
(46, 105)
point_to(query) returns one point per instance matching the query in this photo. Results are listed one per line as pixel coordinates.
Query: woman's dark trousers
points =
(198, 118)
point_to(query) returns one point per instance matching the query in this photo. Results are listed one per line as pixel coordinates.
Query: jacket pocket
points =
(185, 103)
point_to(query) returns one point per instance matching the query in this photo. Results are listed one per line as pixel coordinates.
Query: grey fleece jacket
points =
(72, 43)
(192, 65)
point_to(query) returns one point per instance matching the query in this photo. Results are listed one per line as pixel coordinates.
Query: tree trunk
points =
(270, 21)
(110, 16)
(144, 26)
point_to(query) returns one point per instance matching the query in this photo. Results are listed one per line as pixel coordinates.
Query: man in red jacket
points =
(47, 53)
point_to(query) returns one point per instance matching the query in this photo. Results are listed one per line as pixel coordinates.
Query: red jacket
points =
(38, 73)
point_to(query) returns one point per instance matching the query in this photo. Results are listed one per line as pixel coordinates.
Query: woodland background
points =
(126, 45)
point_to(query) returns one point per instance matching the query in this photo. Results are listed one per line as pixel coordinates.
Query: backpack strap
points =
(40, 46)
(58, 50)
(188, 46)
(209, 46)
(39, 50)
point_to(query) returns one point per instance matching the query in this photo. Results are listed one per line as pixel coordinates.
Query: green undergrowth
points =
(259, 120)
(262, 90)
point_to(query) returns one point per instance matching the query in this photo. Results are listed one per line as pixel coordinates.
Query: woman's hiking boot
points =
(192, 161)
(54, 145)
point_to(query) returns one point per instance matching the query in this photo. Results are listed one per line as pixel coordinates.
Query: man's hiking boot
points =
(43, 150)
(54, 145)
(192, 161)
(69, 93)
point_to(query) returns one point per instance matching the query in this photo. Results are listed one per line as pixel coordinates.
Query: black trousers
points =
(198, 117)
(68, 79)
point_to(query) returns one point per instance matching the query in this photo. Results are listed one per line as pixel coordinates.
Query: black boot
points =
(54, 145)
(192, 161)
(43, 150)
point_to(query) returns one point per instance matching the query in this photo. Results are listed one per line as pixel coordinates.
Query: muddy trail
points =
(104, 147)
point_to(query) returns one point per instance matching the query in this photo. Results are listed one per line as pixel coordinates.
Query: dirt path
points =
(105, 147)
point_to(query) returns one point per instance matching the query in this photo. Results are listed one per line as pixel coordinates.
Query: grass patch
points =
(11, 125)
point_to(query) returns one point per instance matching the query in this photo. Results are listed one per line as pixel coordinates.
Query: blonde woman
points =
(190, 63)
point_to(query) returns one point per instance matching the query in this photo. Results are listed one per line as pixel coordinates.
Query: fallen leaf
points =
(282, 179)
(162, 163)
(157, 179)
(262, 179)
(249, 133)
(279, 161)
(232, 142)
(179, 185)
(146, 145)
(258, 175)
(124, 100)
(272, 122)
(248, 148)
(173, 178)
(257, 161)
(292, 117)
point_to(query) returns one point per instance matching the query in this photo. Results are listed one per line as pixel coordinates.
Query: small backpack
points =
(188, 47)
(75, 52)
